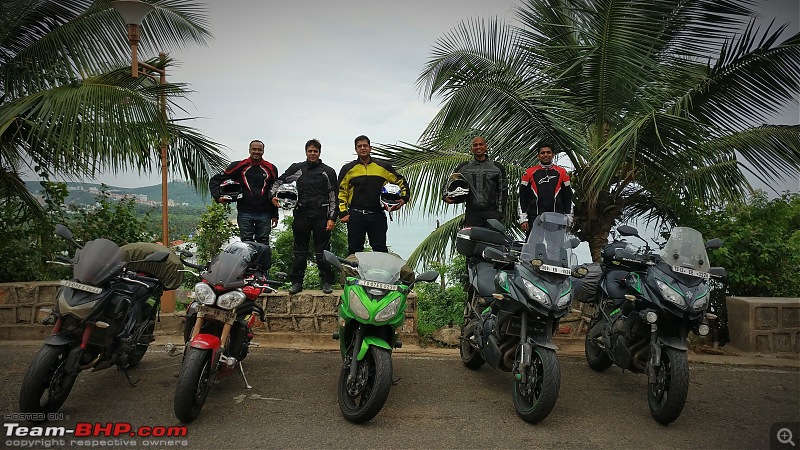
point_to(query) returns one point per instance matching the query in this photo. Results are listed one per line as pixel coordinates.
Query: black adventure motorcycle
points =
(516, 298)
(103, 317)
(646, 304)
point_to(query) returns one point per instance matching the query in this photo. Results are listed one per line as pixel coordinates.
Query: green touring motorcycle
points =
(371, 315)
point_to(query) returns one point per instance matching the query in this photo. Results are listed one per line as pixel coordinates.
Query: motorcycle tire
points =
(141, 347)
(193, 384)
(596, 357)
(363, 399)
(667, 396)
(47, 383)
(470, 355)
(536, 398)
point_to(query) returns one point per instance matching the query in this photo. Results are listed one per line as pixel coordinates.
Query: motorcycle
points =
(371, 315)
(516, 298)
(219, 322)
(646, 304)
(104, 316)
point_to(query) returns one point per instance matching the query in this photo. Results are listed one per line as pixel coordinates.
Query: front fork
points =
(655, 354)
(525, 350)
(359, 337)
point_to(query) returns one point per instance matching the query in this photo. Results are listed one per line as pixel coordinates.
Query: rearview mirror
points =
(714, 243)
(718, 272)
(574, 242)
(427, 277)
(332, 259)
(627, 230)
(63, 232)
(493, 254)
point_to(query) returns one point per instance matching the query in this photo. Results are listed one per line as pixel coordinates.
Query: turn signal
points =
(703, 329)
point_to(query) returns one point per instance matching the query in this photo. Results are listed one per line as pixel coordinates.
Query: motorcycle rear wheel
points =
(193, 384)
(47, 384)
(536, 398)
(667, 396)
(363, 399)
(596, 357)
(470, 355)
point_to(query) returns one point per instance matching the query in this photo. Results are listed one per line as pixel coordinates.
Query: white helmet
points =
(287, 196)
(457, 188)
(390, 195)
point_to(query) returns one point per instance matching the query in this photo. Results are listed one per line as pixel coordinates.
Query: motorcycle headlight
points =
(388, 311)
(700, 303)
(357, 307)
(204, 294)
(230, 300)
(671, 295)
(536, 293)
(563, 301)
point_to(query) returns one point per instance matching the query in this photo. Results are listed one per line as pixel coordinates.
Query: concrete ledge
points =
(765, 325)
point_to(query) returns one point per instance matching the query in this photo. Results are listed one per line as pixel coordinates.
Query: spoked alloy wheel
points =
(667, 396)
(193, 384)
(536, 397)
(362, 399)
(46, 384)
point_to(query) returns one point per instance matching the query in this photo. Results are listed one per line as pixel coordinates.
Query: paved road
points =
(435, 403)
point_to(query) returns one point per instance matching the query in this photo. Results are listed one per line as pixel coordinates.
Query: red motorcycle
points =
(219, 324)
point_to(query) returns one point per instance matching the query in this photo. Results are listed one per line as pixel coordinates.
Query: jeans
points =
(304, 228)
(360, 225)
(254, 226)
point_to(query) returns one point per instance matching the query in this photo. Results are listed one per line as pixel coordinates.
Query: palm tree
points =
(69, 107)
(656, 104)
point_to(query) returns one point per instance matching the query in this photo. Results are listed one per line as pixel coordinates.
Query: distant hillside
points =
(178, 191)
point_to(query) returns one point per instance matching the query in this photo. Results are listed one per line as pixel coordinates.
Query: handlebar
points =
(192, 265)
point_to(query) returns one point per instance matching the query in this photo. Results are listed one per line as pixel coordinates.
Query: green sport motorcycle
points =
(371, 315)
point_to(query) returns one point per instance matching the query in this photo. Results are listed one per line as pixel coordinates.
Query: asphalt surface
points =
(435, 403)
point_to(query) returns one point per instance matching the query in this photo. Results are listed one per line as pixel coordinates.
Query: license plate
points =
(691, 272)
(375, 284)
(554, 269)
(81, 286)
(214, 313)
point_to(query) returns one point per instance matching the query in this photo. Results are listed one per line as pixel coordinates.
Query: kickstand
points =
(394, 382)
(128, 377)
(244, 378)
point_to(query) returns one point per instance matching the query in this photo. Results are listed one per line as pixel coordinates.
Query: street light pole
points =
(133, 12)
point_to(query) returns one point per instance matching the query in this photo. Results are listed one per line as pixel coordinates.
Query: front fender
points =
(205, 342)
(674, 342)
(543, 341)
(59, 339)
(371, 340)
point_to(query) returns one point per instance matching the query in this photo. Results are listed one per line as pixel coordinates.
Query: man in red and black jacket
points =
(543, 188)
(256, 215)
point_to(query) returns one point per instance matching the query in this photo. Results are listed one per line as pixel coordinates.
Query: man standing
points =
(544, 187)
(314, 213)
(256, 215)
(360, 184)
(488, 186)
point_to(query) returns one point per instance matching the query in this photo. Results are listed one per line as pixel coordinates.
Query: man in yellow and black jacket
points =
(360, 184)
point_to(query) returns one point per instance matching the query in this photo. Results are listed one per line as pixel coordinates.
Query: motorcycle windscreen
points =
(227, 270)
(380, 267)
(548, 241)
(98, 261)
(686, 248)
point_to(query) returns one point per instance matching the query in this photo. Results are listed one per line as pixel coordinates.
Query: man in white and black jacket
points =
(544, 187)
(314, 214)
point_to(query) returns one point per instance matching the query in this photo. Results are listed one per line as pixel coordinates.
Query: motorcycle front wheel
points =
(536, 397)
(667, 396)
(193, 384)
(47, 383)
(362, 399)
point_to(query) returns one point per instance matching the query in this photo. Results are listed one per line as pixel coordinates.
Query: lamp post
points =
(133, 12)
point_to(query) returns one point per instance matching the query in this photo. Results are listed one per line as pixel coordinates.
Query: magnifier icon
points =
(785, 436)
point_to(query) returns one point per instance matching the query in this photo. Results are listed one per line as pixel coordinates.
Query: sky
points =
(286, 71)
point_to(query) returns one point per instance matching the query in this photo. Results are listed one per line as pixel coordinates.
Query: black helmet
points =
(457, 188)
(231, 190)
(287, 196)
(390, 195)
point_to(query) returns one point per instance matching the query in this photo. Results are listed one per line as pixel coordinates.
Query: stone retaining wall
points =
(764, 324)
(309, 311)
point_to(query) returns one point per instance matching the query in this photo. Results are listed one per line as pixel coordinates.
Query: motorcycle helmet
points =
(457, 188)
(230, 190)
(390, 195)
(287, 196)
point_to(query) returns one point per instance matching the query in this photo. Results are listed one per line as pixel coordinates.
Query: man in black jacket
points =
(314, 213)
(256, 215)
(488, 186)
